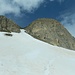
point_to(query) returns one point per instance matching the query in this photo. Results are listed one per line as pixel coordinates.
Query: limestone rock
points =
(7, 25)
(52, 32)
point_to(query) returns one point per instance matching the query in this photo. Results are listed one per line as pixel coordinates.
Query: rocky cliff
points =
(52, 32)
(7, 25)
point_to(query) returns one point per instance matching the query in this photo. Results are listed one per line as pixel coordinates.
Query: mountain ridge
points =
(52, 32)
(7, 25)
(45, 29)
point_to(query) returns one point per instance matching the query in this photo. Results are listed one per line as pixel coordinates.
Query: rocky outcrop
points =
(52, 32)
(7, 25)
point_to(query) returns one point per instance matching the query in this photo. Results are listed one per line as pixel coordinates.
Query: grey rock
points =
(7, 25)
(52, 32)
(8, 34)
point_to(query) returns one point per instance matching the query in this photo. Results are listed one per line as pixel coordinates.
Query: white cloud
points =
(51, 0)
(60, 1)
(69, 22)
(16, 6)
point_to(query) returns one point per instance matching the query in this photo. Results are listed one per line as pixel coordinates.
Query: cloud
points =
(16, 6)
(60, 1)
(51, 0)
(68, 20)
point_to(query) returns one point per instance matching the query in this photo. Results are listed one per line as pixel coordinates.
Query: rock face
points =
(52, 32)
(6, 25)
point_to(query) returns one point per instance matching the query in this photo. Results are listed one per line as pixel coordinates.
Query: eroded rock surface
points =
(52, 32)
(7, 25)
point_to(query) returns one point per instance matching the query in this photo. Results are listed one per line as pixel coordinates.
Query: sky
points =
(23, 12)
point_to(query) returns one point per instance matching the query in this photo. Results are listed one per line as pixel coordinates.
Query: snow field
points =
(21, 54)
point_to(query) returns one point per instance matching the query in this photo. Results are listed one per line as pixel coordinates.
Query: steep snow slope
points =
(21, 54)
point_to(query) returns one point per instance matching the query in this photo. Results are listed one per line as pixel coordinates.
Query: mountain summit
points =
(47, 30)
(8, 25)
(52, 32)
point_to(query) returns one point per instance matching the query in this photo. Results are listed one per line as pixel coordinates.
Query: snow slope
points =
(21, 54)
